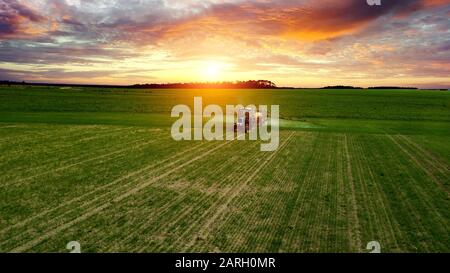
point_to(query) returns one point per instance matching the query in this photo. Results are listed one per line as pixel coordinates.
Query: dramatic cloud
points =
(301, 43)
(17, 19)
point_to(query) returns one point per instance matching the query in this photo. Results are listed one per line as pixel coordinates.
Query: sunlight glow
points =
(212, 70)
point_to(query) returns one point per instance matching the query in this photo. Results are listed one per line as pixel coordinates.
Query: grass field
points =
(99, 166)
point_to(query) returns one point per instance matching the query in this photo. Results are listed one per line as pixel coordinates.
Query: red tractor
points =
(249, 119)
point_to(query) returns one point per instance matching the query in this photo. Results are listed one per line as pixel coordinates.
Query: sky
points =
(303, 43)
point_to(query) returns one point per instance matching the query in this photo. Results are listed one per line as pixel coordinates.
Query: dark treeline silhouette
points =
(9, 83)
(259, 84)
(391, 87)
(341, 87)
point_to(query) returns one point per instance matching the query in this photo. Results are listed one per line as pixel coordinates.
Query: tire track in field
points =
(94, 211)
(368, 198)
(16, 146)
(331, 190)
(429, 160)
(285, 182)
(319, 183)
(248, 200)
(25, 134)
(246, 170)
(320, 232)
(71, 132)
(278, 183)
(310, 191)
(206, 227)
(324, 208)
(59, 149)
(65, 144)
(436, 215)
(107, 155)
(342, 211)
(97, 189)
(340, 194)
(143, 226)
(289, 239)
(85, 155)
(86, 205)
(193, 223)
(382, 196)
(387, 215)
(305, 181)
(270, 242)
(255, 195)
(10, 126)
(102, 163)
(255, 160)
(354, 231)
(43, 164)
(438, 182)
(411, 210)
(419, 188)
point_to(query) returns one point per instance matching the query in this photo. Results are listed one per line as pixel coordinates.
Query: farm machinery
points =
(248, 119)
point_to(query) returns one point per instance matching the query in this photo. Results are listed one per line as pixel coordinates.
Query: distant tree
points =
(259, 84)
(341, 87)
(391, 87)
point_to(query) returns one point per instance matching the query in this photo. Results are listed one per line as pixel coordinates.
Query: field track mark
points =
(246, 170)
(426, 204)
(369, 197)
(375, 194)
(354, 235)
(416, 161)
(242, 170)
(294, 189)
(119, 198)
(178, 200)
(80, 197)
(286, 182)
(81, 162)
(320, 188)
(279, 176)
(227, 199)
(69, 133)
(224, 206)
(10, 126)
(388, 215)
(331, 209)
(60, 228)
(340, 192)
(44, 164)
(304, 183)
(436, 162)
(418, 225)
(342, 221)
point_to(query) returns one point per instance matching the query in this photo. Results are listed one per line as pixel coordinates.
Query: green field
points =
(99, 166)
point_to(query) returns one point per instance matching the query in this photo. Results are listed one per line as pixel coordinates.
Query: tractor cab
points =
(249, 119)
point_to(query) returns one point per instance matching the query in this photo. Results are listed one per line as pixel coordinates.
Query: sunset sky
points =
(304, 43)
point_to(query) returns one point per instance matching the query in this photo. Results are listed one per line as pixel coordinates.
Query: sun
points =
(212, 70)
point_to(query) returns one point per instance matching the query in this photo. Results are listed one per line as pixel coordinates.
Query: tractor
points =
(249, 119)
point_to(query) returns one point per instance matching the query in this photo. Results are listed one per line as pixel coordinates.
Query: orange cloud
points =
(429, 3)
(312, 20)
(18, 20)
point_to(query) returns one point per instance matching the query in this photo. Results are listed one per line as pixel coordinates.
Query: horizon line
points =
(166, 85)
